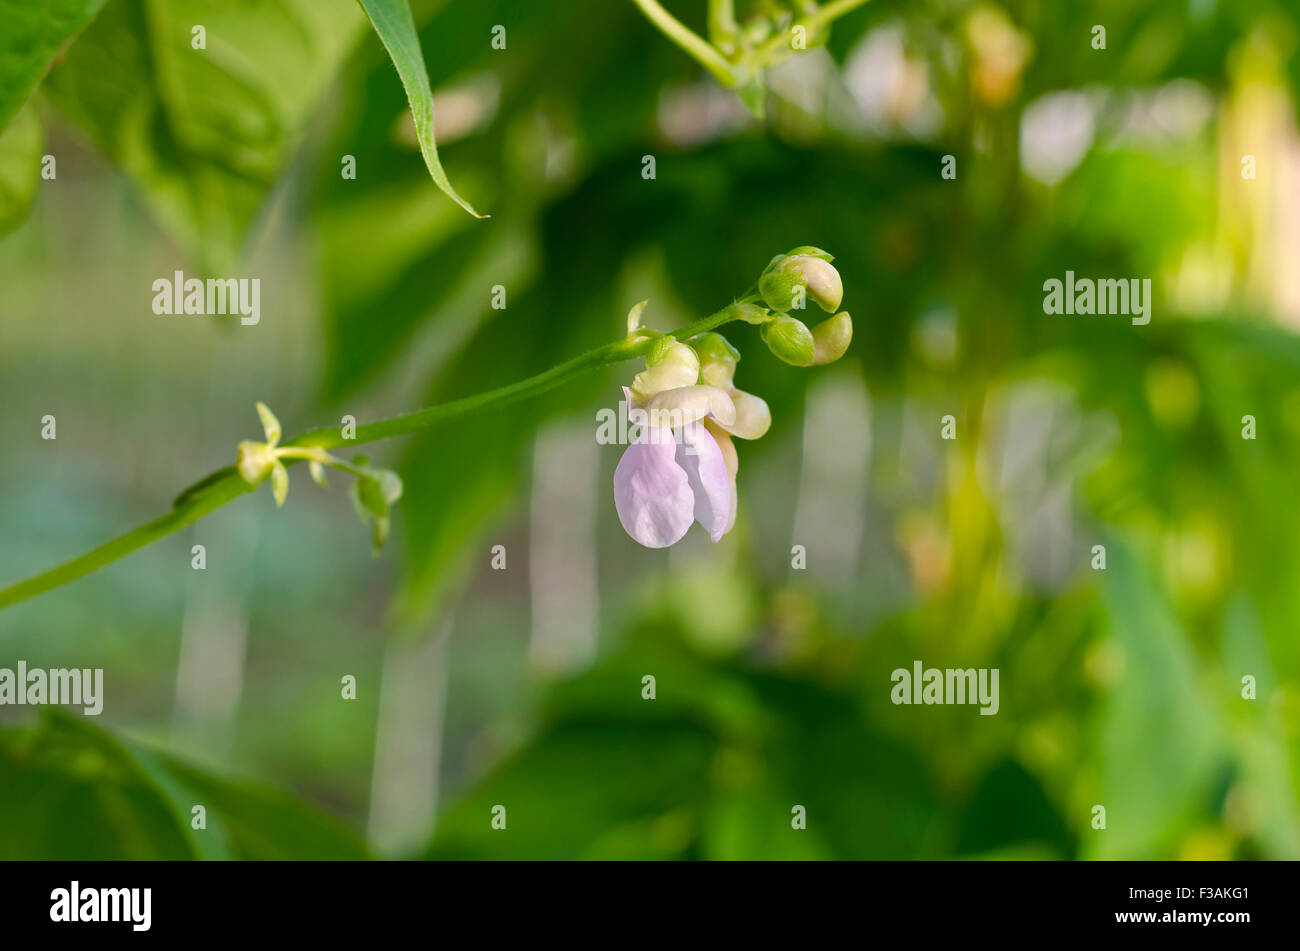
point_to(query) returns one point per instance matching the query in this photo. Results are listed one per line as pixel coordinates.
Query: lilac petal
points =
(715, 497)
(652, 493)
(728, 447)
(636, 415)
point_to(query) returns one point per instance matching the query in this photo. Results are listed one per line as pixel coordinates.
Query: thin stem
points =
(218, 494)
(723, 30)
(313, 453)
(690, 41)
(225, 485)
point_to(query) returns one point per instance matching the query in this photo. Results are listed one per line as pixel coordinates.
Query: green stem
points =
(313, 453)
(225, 485)
(724, 33)
(690, 41)
(832, 11)
(225, 490)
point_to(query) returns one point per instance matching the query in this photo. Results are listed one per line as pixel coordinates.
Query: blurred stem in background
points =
(700, 49)
(739, 53)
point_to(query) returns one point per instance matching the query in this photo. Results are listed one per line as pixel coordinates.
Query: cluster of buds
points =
(772, 18)
(373, 492)
(788, 283)
(682, 466)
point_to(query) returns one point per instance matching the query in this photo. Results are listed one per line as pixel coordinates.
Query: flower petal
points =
(753, 418)
(732, 461)
(652, 493)
(715, 496)
(686, 404)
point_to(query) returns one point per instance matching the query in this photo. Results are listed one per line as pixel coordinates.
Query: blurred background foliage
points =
(522, 687)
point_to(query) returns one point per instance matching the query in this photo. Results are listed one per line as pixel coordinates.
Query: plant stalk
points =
(225, 485)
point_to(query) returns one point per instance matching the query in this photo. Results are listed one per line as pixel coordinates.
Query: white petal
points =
(687, 404)
(752, 419)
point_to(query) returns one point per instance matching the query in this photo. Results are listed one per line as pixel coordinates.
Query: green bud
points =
(818, 277)
(254, 461)
(789, 340)
(831, 338)
(809, 251)
(373, 492)
(718, 358)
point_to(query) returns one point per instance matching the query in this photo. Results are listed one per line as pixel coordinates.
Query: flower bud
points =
(667, 367)
(789, 340)
(718, 358)
(809, 251)
(818, 277)
(254, 461)
(831, 338)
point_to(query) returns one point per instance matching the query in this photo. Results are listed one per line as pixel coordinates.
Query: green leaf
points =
(264, 823)
(34, 32)
(1160, 735)
(70, 790)
(667, 769)
(20, 162)
(204, 132)
(392, 21)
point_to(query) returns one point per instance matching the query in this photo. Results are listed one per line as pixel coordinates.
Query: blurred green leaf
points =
(34, 32)
(204, 132)
(20, 164)
(1010, 809)
(1160, 735)
(69, 790)
(556, 807)
(264, 823)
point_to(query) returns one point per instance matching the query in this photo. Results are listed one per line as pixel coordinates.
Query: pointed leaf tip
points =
(395, 26)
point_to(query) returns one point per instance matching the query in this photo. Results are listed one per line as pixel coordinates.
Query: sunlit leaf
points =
(204, 132)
